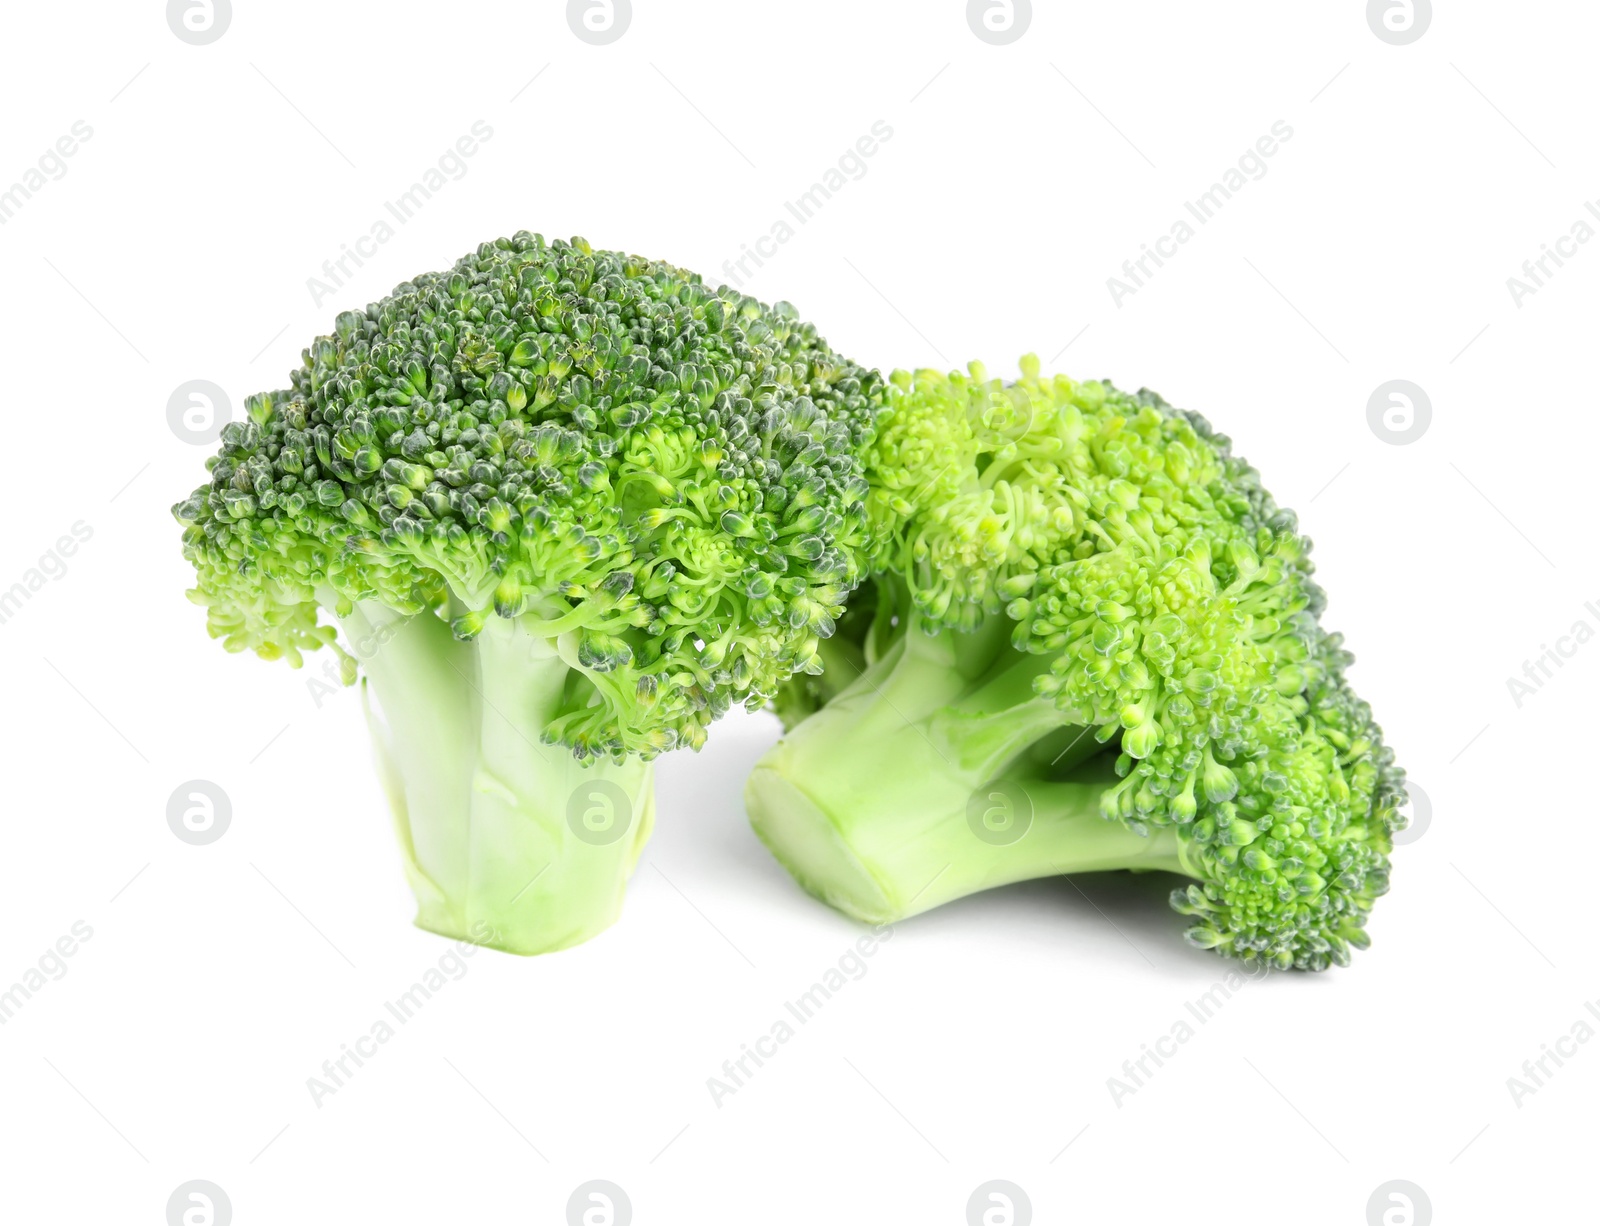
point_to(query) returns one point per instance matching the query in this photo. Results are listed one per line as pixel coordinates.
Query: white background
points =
(178, 245)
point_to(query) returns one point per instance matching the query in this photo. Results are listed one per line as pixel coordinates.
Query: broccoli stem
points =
(910, 788)
(507, 842)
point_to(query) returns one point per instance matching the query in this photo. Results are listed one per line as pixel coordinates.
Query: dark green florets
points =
(1189, 634)
(661, 477)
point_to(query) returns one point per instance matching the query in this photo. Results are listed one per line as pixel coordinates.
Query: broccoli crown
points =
(662, 478)
(1174, 603)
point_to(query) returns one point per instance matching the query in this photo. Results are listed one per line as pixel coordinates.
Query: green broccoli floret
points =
(566, 507)
(1092, 644)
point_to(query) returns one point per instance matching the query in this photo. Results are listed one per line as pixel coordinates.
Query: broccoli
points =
(566, 507)
(1090, 642)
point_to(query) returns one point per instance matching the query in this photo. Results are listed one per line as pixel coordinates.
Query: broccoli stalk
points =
(505, 841)
(567, 507)
(937, 773)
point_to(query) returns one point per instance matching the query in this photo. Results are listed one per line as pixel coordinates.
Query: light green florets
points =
(975, 481)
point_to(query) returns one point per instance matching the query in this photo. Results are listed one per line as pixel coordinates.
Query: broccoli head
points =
(1093, 643)
(566, 507)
